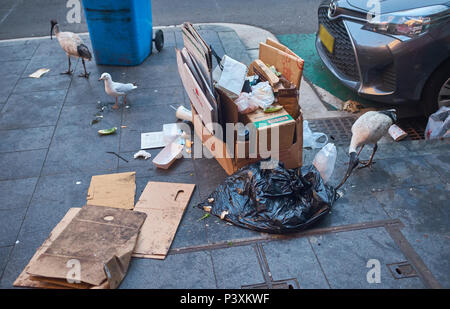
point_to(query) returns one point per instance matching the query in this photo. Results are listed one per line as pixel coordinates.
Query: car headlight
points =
(411, 23)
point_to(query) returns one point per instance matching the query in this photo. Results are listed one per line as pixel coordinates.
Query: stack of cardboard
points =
(214, 102)
(91, 247)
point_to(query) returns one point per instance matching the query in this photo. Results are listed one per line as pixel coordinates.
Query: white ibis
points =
(115, 89)
(368, 129)
(73, 45)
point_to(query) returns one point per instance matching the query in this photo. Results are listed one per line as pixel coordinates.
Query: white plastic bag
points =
(231, 76)
(438, 125)
(310, 138)
(262, 95)
(325, 160)
(244, 105)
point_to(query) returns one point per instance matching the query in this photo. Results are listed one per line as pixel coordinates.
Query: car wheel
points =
(437, 89)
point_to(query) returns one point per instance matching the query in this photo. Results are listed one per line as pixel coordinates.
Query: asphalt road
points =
(29, 18)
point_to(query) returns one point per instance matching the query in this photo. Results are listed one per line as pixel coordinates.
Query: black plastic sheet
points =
(274, 200)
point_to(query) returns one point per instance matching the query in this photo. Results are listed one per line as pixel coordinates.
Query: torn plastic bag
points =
(274, 200)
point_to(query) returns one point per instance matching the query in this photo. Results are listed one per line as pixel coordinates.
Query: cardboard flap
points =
(290, 66)
(94, 237)
(112, 190)
(164, 203)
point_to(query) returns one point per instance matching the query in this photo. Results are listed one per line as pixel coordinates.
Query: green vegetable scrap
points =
(273, 109)
(107, 131)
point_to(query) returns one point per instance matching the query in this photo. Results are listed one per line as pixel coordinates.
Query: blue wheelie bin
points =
(121, 30)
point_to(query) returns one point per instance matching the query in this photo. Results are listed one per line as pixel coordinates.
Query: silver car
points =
(392, 51)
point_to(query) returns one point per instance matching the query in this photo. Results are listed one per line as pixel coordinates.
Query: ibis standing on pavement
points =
(73, 45)
(368, 129)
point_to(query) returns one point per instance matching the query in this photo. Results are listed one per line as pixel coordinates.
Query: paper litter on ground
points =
(152, 140)
(39, 73)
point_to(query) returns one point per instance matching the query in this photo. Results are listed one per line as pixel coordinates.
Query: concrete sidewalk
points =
(394, 213)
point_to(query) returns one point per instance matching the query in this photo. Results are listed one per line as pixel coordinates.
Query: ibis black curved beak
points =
(53, 23)
(353, 162)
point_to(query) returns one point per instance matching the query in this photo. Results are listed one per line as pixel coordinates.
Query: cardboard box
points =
(265, 122)
(236, 154)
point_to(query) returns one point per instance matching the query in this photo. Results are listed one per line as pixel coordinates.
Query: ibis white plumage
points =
(73, 45)
(368, 130)
(115, 89)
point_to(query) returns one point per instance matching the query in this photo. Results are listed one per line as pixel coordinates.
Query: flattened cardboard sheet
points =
(112, 190)
(24, 279)
(164, 203)
(101, 239)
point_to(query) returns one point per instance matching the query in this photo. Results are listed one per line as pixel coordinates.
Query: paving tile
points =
(10, 222)
(81, 149)
(441, 163)
(53, 197)
(209, 174)
(344, 256)
(82, 115)
(14, 67)
(354, 207)
(294, 258)
(22, 164)
(6, 86)
(233, 47)
(424, 207)
(434, 249)
(178, 271)
(34, 109)
(45, 83)
(393, 173)
(16, 193)
(56, 64)
(4, 256)
(156, 96)
(236, 266)
(20, 256)
(17, 51)
(25, 139)
(427, 147)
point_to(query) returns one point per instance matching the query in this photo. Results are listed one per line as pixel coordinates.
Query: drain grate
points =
(415, 127)
(281, 284)
(402, 270)
(339, 130)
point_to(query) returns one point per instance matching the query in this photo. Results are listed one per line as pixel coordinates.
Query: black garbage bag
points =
(274, 200)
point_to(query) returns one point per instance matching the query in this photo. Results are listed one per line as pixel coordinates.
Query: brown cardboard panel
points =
(281, 47)
(25, 280)
(291, 67)
(102, 239)
(194, 92)
(164, 203)
(112, 190)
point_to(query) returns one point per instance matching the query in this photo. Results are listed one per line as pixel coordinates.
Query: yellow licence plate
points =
(326, 38)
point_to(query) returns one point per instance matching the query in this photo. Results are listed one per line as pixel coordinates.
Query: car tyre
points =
(433, 87)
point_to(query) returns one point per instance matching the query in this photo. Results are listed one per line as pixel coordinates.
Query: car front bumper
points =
(377, 66)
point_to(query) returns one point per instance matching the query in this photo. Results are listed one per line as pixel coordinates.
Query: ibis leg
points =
(69, 72)
(125, 100)
(370, 162)
(86, 74)
(116, 106)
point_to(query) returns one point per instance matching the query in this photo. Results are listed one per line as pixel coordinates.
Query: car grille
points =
(389, 78)
(343, 57)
